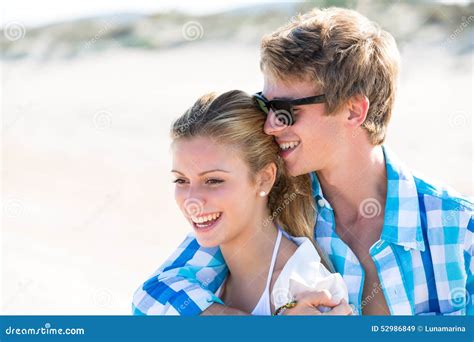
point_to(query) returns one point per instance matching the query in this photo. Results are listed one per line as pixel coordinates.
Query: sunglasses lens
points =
(262, 105)
(284, 114)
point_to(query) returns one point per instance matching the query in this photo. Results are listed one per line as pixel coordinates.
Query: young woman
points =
(233, 189)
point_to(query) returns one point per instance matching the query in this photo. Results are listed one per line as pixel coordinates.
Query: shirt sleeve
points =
(469, 262)
(185, 284)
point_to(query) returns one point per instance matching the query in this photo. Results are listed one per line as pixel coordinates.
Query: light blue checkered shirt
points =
(424, 257)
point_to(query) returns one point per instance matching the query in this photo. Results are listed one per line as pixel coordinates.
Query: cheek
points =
(317, 132)
(242, 201)
(234, 197)
(227, 197)
(211, 198)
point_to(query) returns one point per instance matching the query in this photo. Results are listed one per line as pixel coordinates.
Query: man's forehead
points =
(275, 88)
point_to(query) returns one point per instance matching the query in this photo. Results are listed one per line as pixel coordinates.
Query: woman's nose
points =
(193, 205)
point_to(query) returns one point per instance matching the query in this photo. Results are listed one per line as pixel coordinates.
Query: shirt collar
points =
(402, 222)
(318, 192)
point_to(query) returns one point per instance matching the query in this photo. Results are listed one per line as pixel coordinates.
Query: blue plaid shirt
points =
(424, 257)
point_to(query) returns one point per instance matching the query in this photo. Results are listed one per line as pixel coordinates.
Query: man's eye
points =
(214, 181)
(179, 181)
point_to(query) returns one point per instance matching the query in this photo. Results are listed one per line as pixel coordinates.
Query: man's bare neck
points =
(357, 177)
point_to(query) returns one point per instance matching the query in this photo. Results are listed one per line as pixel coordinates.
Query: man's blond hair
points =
(345, 54)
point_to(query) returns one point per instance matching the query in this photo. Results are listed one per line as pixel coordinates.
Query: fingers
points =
(316, 298)
(302, 311)
(308, 302)
(343, 309)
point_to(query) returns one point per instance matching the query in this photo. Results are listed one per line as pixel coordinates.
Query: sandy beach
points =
(88, 208)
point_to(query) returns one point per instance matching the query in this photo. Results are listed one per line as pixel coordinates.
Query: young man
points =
(403, 246)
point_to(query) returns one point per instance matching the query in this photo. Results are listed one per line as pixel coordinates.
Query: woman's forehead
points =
(201, 154)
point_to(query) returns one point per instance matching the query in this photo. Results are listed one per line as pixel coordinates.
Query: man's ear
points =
(266, 178)
(357, 107)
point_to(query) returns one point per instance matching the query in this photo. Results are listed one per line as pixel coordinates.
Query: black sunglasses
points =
(283, 109)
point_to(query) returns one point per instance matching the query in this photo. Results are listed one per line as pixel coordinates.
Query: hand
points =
(308, 302)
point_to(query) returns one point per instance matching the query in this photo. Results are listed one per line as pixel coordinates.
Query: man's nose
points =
(272, 125)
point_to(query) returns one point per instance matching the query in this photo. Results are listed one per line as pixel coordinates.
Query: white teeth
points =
(206, 218)
(288, 145)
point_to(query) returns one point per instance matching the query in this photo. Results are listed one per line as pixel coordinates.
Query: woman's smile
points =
(206, 222)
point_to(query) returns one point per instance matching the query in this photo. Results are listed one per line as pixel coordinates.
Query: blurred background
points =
(89, 91)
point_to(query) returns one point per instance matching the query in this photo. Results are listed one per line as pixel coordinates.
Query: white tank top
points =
(263, 307)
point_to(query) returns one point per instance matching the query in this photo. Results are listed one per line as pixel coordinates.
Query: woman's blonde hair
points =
(234, 120)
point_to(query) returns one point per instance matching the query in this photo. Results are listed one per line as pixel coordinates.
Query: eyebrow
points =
(203, 173)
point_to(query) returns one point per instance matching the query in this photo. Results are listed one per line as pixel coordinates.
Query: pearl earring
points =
(262, 193)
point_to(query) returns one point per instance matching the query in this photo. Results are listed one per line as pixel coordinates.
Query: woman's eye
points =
(214, 181)
(179, 181)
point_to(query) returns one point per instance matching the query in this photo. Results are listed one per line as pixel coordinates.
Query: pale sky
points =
(38, 12)
(35, 12)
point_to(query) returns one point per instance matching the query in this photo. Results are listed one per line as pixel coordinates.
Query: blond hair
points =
(234, 120)
(344, 54)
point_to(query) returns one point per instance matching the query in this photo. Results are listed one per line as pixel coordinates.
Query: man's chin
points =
(296, 170)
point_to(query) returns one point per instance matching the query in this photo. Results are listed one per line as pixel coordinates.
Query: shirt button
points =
(321, 202)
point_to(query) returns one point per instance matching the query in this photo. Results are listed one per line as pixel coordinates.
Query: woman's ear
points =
(266, 178)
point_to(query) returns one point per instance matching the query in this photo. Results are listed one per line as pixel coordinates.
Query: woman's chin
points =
(207, 234)
(206, 243)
